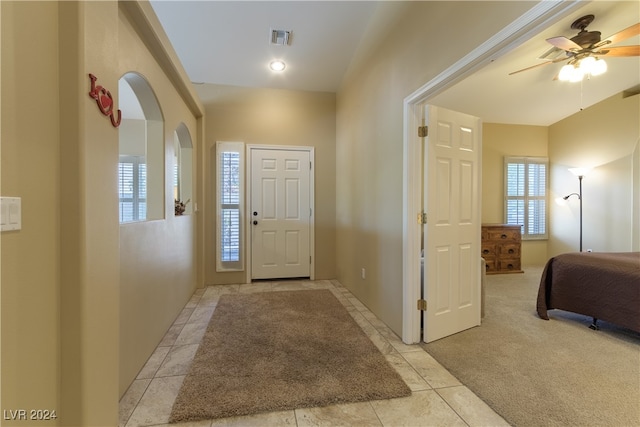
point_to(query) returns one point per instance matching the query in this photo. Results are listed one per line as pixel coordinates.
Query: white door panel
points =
(452, 233)
(280, 213)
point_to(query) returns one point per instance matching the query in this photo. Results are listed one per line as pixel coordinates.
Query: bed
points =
(604, 286)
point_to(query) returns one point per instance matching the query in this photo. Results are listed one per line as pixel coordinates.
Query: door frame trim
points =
(312, 218)
(541, 16)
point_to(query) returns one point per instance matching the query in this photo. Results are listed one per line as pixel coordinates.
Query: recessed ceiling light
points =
(277, 65)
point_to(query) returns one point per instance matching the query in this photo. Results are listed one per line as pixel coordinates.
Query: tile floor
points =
(437, 399)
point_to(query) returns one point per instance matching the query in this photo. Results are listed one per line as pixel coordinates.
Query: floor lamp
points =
(580, 173)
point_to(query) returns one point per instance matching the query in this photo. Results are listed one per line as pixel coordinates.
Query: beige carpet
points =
(282, 350)
(545, 373)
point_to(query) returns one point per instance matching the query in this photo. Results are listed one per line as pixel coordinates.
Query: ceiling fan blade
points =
(619, 51)
(564, 43)
(540, 65)
(530, 68)
(551, 54)
(633, 30)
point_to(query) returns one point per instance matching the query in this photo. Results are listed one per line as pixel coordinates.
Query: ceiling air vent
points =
(281, 37)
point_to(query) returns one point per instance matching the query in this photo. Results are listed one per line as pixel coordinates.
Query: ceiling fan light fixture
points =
(593, 66)
(599, 67)
(577, 75)
(566, 72)
(586, 64)
(576, 70)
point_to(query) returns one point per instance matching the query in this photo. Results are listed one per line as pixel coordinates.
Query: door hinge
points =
(422, 218)
(423, 131)
(422, 304)
(309, 259)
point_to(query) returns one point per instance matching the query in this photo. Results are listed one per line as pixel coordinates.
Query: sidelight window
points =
(230, 196)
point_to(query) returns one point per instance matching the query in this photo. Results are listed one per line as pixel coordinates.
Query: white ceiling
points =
(228, 42)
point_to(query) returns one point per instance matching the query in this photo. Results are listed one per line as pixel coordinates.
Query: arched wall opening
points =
(183, 170)
(141, 149)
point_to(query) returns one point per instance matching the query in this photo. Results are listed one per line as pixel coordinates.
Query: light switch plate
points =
(10, 213)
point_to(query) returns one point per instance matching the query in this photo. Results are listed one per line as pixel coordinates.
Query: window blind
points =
(526, 195)
(230, 196)
(132, 188)
(230, 204)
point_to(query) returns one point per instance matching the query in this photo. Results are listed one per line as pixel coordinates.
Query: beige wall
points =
(84, 301)
(60, 272)
(30, 169)
(603, 137)
(89, 250)
(157, 258)
(499, 141)
(132, 137)
(273, 117)
(611, 192)
(369, 139)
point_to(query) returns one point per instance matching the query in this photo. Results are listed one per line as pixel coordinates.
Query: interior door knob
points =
(255, 222)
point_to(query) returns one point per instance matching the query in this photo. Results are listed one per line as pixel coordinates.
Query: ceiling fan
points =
(586, 44)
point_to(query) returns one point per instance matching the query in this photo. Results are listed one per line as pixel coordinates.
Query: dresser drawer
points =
(489, 250)
(490, 265)
(510, 250)
(502, 235)
(509, 264)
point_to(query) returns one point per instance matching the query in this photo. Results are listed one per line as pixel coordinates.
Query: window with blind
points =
(132, 188)
(176, 178)
(230, 197)
(526, 183)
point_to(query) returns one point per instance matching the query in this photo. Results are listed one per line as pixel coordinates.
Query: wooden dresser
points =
(501, 245)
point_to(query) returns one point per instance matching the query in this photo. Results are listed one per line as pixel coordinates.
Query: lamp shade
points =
(586, 64)
(577, 75)
(566, 72)
(579, 171)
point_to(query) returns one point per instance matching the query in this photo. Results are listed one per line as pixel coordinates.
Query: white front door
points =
(280, 213)
(452, 177)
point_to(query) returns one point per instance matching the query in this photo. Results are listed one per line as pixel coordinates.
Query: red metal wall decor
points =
(104, 100)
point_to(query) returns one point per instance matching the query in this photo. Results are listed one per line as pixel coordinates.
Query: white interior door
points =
(452, 177)
(280, 213)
